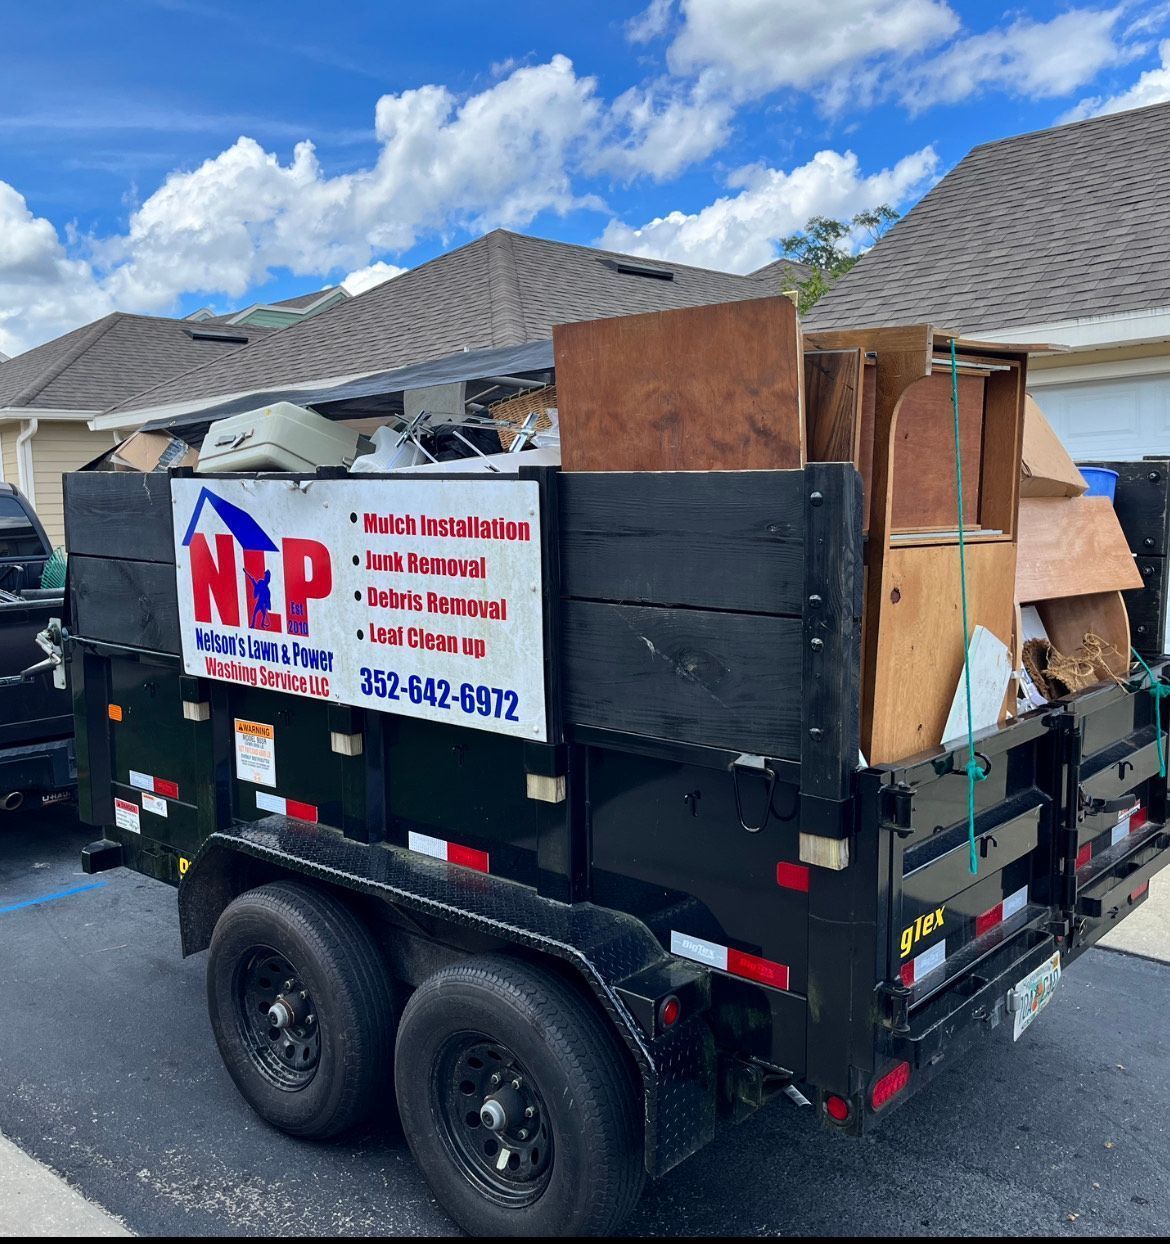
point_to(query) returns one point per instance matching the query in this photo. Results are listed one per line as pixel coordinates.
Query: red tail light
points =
(837, 1108)
(669, 1012)
(890, 1085)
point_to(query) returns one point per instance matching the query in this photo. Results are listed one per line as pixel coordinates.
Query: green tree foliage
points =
(821, 246)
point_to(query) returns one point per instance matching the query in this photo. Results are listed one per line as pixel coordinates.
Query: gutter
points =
(24, 462)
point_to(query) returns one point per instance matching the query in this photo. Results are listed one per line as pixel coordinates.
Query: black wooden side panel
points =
(705, 539)
(124, 514)
(721, 679)
(125, 602)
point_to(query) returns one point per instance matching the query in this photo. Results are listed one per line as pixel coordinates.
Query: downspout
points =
(24, 463)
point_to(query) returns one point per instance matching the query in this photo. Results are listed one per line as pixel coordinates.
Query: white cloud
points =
(1153, 87)
(651, 23)
(752, 47)
(738, 232)
(1038, 60)
(369, 276)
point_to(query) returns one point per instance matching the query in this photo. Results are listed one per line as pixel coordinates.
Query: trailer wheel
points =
(518, 1103)
(302, 1008)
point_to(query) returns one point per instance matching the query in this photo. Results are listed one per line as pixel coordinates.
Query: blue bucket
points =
(1102, 482)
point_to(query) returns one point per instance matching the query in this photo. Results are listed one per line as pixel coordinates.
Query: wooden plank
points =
(921, 647)
(720, 679)
(1071, 546)
(832, 404)
(831, 680)
(1068, 620)
(924, 452)
(865, 439)
(123, 514)
(701, 388)
(125, 602)
(706, 539)
(1142, 503)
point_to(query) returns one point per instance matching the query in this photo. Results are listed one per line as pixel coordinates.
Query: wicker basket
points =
(511, 412)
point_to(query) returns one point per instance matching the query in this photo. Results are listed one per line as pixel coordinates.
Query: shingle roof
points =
(93, 367)
(502, 289)
(783, 272)
(1054, 225)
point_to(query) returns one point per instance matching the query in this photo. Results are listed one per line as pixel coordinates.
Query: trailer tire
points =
(326, 1068)
(572, 1130)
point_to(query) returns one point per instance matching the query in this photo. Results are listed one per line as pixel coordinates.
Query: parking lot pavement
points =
(1147, 930)
(110, 1076)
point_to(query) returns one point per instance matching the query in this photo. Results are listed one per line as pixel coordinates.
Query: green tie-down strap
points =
(1159, 690)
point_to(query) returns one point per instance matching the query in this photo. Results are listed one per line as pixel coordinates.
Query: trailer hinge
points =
(895, 1010)
(898, 809)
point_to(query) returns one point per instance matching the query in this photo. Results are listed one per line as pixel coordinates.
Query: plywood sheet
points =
(1071, 546)
(699, 389)
(1103, 614)
(833, 393)
(921, 646)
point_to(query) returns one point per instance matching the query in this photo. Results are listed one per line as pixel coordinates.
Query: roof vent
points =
(625, 268)
(232, 336)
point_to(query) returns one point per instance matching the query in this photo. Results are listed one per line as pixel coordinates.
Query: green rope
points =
(1159, 690)
(974, 771)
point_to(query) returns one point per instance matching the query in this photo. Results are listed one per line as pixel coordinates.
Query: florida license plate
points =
(1033, 994)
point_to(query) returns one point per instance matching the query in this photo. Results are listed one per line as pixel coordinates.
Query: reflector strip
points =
(452, 852)
(737, 962)
(921, 965)
(1138, 819)
(1134, 895)
(1001, 911)
(792, 876)
(286, 807)
(157, 786)
(1084, 855)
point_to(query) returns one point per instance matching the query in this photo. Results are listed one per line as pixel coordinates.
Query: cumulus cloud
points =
(1153, 87)
(651, 23)
(738, 232)
(369, 276)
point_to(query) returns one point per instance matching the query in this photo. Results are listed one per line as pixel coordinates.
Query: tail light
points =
(837, 1108)
(890, 1085)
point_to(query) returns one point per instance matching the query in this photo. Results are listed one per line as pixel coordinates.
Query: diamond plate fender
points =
(603, 946)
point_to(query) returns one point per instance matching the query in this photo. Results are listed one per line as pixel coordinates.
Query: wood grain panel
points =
(124, 514)
(720, 679)
(1103, 614)
(832, 404)
(698, 389)
(706, 539)
(125, 602)
(1071, 546)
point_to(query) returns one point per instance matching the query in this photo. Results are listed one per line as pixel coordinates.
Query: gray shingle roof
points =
(93, 367)
(781, 273)
(502, 289)
(1053, 225)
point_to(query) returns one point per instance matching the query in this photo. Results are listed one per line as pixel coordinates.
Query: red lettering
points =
(308, 575)
(214, 578)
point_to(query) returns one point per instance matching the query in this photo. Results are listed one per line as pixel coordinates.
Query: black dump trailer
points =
(554, 869)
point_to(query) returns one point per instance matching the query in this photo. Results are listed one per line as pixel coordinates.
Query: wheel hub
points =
(277, 1020)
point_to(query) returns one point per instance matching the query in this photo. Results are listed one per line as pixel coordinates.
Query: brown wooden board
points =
(125, 602)
(119, 514)
(720, 679)
(697, 389)
(1103, 614)
(924, 453)
(832, 404)
(705, 539)
(1071, 546)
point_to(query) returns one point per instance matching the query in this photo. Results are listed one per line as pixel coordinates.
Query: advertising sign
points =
(417, 597)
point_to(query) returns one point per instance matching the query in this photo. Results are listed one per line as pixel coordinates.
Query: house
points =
(1059, 236)
(277, 314)
(503, 289)
(49, 394)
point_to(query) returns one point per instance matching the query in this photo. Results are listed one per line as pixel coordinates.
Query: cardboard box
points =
(1046, 470)
(151, 451)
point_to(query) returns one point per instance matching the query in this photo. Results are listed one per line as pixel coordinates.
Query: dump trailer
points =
(534, 801)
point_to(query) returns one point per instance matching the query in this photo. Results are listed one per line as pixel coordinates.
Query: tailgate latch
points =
(898, 809)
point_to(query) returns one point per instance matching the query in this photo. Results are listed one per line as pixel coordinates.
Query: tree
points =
(821, 246)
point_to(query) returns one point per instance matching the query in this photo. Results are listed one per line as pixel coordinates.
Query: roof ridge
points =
(504, 298)
(1100, 119)
(96, 331)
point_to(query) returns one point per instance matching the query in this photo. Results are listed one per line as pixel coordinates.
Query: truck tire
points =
(302, 1008)
(560, 1150)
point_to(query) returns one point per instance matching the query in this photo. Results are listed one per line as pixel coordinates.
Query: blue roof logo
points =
(240, 523)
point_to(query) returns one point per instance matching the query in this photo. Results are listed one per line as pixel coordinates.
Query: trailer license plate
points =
(1034, 993)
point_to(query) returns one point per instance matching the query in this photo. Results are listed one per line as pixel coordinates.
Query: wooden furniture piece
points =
(913, 642)
(715, 388)
(1071, 546)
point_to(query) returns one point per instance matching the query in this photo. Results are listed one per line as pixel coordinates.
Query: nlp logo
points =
(218, 578)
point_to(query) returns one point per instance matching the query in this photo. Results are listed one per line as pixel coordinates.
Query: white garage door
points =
(1104, 419)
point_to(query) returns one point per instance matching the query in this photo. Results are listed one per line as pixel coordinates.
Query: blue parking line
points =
(51, 898)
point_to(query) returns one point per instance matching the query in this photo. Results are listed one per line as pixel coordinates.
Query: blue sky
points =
(159, 155)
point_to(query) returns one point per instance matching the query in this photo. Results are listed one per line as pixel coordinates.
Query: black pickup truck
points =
(36, 724)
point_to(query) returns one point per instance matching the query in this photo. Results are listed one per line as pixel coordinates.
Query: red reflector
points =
(1134, 895)
(836, 1108)
(757, 969)
(1084, 855)
(890, 1085)
(468, 857)
(792, 876)
(1137, 819)
(907, 973)
(294, 807)
(163, 787)
(989, 919)
(671, 1010)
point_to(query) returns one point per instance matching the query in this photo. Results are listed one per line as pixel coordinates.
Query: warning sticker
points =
(255, 752)
(126, 816)
(152, 803)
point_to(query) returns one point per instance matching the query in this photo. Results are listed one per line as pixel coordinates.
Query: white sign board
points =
(417, 597)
